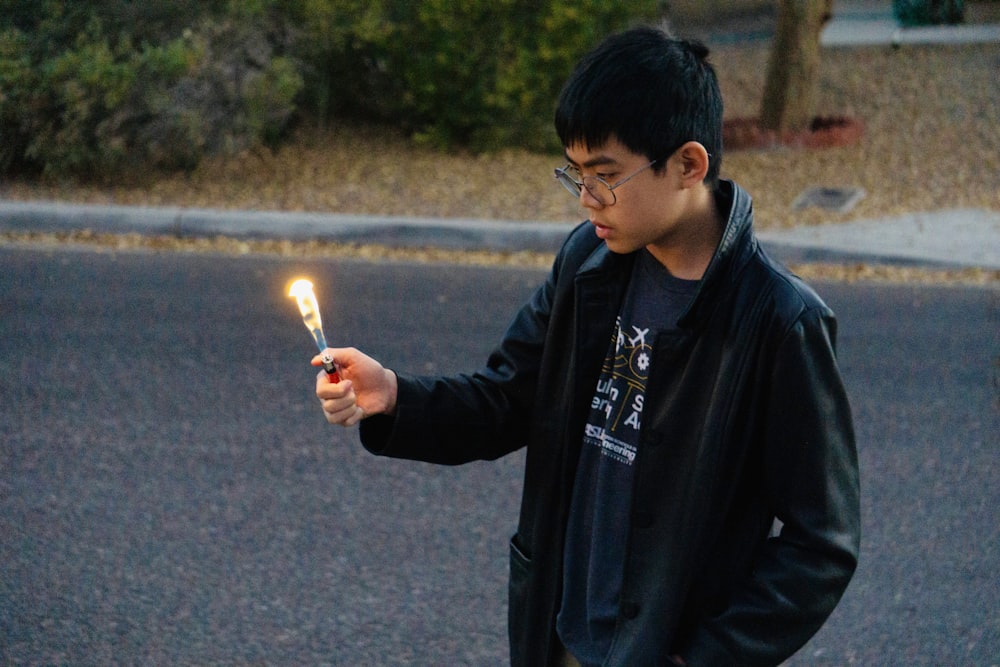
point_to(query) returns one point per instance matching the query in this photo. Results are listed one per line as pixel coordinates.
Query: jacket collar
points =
(737, 245)
(735, 248)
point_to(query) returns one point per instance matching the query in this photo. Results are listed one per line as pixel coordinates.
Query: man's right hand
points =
(366, 388)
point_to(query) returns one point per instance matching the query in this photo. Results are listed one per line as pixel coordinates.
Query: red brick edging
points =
(824, 132)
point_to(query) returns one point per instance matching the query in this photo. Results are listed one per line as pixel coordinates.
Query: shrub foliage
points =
(97, 87)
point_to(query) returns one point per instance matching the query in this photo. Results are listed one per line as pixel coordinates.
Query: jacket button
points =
(630, 610)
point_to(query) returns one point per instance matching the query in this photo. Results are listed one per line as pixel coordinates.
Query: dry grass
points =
(931, 143)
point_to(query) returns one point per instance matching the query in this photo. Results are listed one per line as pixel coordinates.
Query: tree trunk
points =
(790, 89)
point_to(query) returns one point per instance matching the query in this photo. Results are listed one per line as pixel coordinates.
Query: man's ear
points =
(693, 159)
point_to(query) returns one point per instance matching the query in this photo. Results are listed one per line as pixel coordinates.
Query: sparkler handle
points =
(330, 367)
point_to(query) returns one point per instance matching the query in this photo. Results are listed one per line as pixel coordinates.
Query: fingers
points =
(365, 387)
(327, 389)
(347, 417)
(339, 402)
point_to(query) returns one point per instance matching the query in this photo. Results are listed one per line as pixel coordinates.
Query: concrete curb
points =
(398, 232)
(957, 238)
(954, 238)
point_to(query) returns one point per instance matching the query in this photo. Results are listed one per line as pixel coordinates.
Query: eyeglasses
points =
(598, 188)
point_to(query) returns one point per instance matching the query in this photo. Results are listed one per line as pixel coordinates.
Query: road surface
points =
(170, 494)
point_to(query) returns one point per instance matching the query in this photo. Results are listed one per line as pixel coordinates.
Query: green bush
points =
(102, 102)
(17, 79)
(234, 94)
(101, 87)
(80, 91)
(480, 73)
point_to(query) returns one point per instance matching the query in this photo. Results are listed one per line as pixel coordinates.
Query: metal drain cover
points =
(840, 200)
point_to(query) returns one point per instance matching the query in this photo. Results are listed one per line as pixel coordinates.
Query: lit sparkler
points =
(302, 290)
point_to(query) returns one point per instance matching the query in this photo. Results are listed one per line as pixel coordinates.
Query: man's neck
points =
(689, 250)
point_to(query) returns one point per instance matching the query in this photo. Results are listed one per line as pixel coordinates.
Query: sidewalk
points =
(956, 238)
(959, 237)
(871, 22)
(854, 23)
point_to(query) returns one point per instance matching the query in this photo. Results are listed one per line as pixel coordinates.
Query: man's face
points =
(649, 208)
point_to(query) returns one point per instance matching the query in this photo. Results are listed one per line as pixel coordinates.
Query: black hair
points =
(651, 92)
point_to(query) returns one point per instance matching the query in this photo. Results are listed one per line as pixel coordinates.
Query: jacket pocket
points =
(520, 562)
(520, 570)
(517, 600)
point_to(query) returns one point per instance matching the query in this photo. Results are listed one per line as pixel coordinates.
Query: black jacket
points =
(750, 424)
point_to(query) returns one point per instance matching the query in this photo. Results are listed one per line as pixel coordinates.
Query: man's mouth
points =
(601, 230)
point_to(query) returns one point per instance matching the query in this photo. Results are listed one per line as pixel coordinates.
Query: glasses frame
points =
(575, 187)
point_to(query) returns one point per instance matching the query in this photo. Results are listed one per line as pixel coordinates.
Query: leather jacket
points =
(746, 422)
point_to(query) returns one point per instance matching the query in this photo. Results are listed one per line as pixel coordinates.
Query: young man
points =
(691, 485)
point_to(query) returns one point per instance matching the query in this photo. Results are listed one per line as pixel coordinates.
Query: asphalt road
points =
(169, 492)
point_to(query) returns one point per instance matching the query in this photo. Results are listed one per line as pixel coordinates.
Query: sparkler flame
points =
(302, 290)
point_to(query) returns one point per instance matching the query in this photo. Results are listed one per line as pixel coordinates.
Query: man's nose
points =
(588, 200)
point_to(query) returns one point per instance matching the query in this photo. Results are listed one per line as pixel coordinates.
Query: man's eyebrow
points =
(593, 162)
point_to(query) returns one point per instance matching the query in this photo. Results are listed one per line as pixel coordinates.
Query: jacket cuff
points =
(376, 431)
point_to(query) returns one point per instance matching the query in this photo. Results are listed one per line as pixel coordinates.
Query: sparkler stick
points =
(302, 290)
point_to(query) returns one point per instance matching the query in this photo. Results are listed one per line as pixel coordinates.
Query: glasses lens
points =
(599, 190)
(567, 181)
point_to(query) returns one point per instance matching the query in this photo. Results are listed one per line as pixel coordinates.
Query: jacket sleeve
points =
(483, 415)
(811, 481)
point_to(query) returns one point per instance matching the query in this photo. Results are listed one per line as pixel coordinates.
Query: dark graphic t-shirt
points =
(598, 526)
